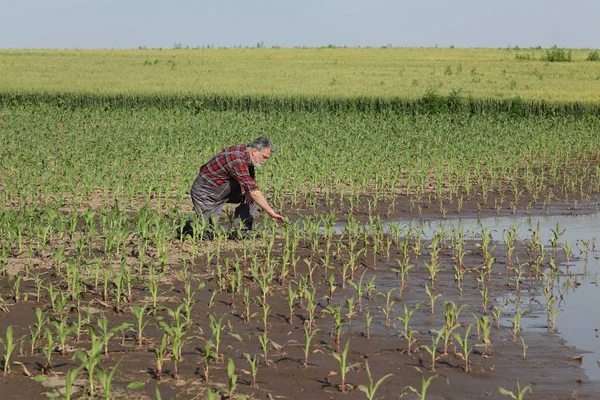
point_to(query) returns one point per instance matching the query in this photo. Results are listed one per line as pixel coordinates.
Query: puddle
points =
(579, 316)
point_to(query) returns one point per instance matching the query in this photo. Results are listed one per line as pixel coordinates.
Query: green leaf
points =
(40, 378)
(136, 385)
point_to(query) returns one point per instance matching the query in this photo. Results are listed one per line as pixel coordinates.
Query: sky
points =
(106, 24)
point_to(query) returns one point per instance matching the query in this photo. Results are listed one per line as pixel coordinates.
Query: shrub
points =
(593, 56)
(557, 54)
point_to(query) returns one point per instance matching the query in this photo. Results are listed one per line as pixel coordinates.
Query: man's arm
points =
(259, 199)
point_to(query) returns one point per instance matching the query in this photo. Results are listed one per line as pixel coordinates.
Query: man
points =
(229, 177)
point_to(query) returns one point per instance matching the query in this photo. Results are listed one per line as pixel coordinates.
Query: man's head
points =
(259, 151)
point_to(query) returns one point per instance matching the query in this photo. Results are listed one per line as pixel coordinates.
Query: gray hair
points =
(262, 143)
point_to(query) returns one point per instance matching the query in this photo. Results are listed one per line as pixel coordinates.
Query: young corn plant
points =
(407, 316)
(358, 286)
(464, 343)
(231, 378)
(368, 321)
(290, 299)
(37, 328)
(432, 297)
(62, 332)
(106, 334)
(371, 390)
(48, 350)
(516, 325)
(160, 352)
(90, 359)
(402, 270)
(421, 394)
(253, 361)
(434, 269)
(9, 346)
(247, 302)
(311, 306)
(308, 336)
(266, 344)
(389, 305)
(520, 392)
(139, 313)
(432, 351)
(105, 377)
(336, 313)
(216, 328)
(484, 326)
(351, 306)
(342, 359)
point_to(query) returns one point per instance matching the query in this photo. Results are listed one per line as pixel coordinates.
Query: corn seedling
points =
(90, 359)
(253, 361)
(484, 327)
(336, 313)
(368, 321)
(62, 332)
(371, 390)
(407, 316)
(308, 336)
(9, 346)
(290, 298)
(421, 394)
(516, 325)
(48, 350)
(389, 305)
(231, 378)
(140, 323)
(106, 334)
(342, 359)
(520, 392)
(466, 350)
(266, 345)
(37, 328)
(402, 270)
(358, 286)
(434, 345)
(105, 377)
(432, 297)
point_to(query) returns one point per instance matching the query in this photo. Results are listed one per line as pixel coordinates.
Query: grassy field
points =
(406, 73)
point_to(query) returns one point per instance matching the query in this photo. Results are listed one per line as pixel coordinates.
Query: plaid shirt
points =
(231, 163)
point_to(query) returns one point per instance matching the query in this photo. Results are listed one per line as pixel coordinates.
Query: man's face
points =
(258, 158)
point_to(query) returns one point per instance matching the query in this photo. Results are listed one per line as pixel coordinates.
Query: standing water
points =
(579, 316)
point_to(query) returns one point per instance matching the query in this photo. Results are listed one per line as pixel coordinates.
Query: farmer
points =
(229, 177)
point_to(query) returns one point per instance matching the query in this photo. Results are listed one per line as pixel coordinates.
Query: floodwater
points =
(577, 321)
(579, 316)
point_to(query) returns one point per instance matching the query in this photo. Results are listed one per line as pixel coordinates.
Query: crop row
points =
(330, 283)
(92, 157)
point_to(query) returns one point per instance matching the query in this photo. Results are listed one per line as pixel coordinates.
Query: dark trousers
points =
(208, 202)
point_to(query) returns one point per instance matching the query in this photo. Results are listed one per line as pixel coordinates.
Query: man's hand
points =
(258, 197)
(278, 218)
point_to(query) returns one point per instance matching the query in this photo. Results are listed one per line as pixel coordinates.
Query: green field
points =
(66, 156)
(403, 74)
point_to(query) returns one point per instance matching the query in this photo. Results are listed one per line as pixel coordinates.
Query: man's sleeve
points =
(242, 175)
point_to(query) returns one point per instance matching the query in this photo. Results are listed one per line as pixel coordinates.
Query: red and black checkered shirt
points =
(232, 163)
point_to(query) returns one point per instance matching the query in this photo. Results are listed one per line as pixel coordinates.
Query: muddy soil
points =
(548, 366)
